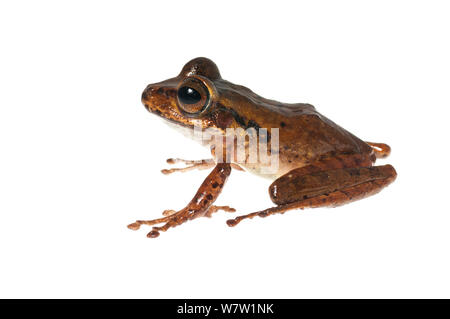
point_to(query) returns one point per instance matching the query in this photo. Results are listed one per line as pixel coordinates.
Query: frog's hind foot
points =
(264, 213)
(381, 150)
(190, 165)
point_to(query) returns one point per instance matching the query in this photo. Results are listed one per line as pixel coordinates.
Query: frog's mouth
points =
(161, 100)
(195, 132)
(185, 129)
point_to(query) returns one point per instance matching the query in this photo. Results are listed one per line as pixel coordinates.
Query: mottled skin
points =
(320, 163)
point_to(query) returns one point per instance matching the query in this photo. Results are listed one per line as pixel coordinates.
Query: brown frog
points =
(318, 162)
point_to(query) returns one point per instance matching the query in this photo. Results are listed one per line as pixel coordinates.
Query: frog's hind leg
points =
(324, 188)
(381, 150)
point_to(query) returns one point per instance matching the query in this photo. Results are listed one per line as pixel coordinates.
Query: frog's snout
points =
(147, 93)
(161, 98)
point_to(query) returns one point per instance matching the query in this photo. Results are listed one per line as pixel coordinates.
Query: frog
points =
(320, 164)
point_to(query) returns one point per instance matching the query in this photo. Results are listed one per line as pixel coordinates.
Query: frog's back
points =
(309, 136)
(305, 135)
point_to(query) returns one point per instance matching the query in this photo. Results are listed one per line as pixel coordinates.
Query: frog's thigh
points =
(324, 188)
(295, 185)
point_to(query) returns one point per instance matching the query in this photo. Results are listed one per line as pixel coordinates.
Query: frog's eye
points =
(193, 96)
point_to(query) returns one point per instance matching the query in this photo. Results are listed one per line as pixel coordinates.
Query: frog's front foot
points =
(193, 164)
(173, 218)
(200, 205)
(211, 210)
(189, 165)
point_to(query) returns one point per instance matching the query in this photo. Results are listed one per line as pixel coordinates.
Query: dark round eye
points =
(188, 95)
(193, 96)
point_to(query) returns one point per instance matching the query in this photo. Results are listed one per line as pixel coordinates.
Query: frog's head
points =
(188, 99)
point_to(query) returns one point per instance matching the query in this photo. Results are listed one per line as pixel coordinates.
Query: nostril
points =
(144, 96)
(147, 92)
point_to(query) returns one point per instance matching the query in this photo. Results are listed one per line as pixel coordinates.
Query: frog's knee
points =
(381, 150)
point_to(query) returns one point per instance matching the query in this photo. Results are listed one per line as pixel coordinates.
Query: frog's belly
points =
(271, 170)
(195, 133)
(271, 166)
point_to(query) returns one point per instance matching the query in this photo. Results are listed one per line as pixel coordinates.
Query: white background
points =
(80, 156)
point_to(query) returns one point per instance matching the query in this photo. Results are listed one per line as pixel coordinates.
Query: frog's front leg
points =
(197, 207)
(211, 210)
(307, 188)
